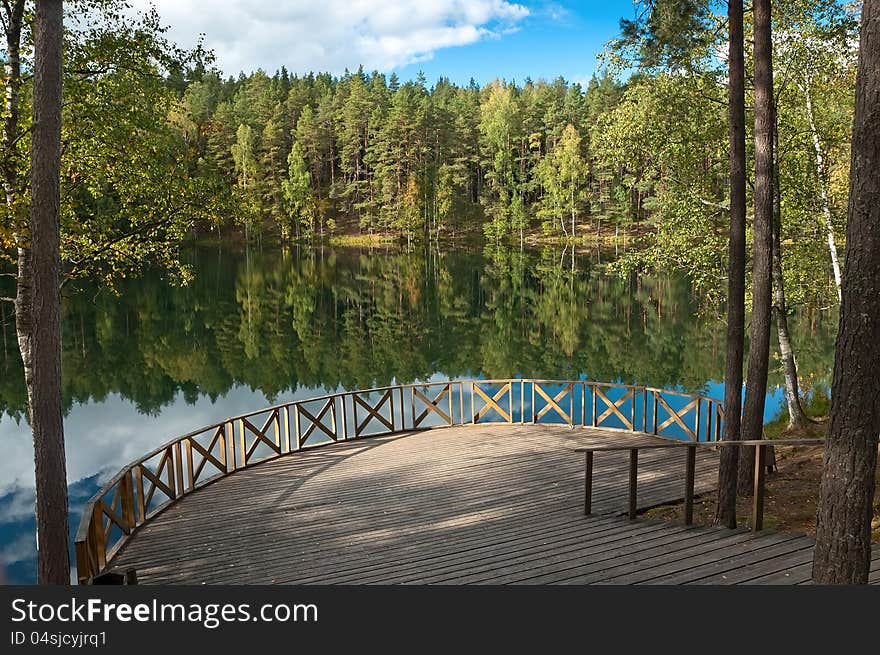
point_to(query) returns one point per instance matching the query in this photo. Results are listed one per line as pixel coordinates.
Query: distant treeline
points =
(356, 319)
(303, 153)
(159, 146)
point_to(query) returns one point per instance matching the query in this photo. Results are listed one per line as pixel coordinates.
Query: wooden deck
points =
(461, 505)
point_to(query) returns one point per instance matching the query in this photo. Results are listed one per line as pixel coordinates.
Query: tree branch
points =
(709, 203)
(91, 72)
(78, 265)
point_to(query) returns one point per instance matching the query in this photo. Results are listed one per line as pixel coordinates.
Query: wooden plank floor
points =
(465, 505)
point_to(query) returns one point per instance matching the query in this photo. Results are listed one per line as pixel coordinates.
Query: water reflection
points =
(256, 328)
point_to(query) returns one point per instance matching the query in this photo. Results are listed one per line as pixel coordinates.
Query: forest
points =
(729, 144)
(640, 150)
(637, 156)
(274, 322)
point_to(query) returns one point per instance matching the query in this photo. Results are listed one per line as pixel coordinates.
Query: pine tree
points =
(298, 195)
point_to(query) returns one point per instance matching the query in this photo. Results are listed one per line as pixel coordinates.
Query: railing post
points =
(141, 500)
(451, 416)
(654, 412)
(633, 480)
(461, 402)
(412, 405)
(758, 495)
(286, 426)
(83, 562)
(534, 413)
(690, 469)
(644, 410)
(178, 468)
(522, 402)
(242, 462)
(190, 473)
(588, 483)
(583, 403)
(126, 493)
(169, 466)
(224, 451)
(343, 419)
(473, 411)
(709, 412)
(632, 409)
(98, 537)
(593, 404)
(402, 411)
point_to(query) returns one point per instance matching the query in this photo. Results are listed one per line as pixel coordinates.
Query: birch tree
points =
(846, 496)
(816, 45)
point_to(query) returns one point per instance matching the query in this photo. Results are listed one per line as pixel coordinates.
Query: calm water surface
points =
(255, 328)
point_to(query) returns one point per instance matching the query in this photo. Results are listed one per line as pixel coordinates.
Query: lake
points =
(152, 360)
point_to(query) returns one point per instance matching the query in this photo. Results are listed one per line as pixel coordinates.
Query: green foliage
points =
(563, 173)
(158, 147)
(669, 34)
(133, 183)
(396, 158)
(666, 139)
(660, 153)
(298, 194)
(815, 60)
(281, 322)
(244, 156)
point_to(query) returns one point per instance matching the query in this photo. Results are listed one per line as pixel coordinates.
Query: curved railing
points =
(146, 486)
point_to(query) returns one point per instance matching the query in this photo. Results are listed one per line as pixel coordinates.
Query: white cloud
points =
(20, 549)
(331, 35)
(103, 436)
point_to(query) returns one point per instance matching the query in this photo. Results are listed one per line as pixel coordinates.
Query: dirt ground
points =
(791, 495)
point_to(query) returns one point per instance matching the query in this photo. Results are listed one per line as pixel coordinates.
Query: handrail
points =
(146, 486)
(747, 442)
(760, 445)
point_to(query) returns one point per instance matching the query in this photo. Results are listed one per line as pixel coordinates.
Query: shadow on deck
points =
(460, 505)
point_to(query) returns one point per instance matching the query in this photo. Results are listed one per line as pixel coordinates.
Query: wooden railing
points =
(146, 486)
(757, 518)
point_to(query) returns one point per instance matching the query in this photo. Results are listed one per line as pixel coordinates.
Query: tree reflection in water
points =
(154, 360)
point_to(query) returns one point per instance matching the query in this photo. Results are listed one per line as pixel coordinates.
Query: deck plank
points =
(484, 504)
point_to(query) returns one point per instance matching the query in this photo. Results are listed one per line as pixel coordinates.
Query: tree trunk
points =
(796, 416)
(46, 412)
(762, 245)
(13, 21)
(725, 512)
(823, 190)
(23, 319)
(843, 530)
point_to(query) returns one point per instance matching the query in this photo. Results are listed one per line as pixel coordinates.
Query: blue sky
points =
(483, 39)
(545, 45)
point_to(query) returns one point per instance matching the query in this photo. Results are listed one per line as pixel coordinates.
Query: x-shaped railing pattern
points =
(431, 406)
(374, 412)
(491, 402)
(148, 485)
